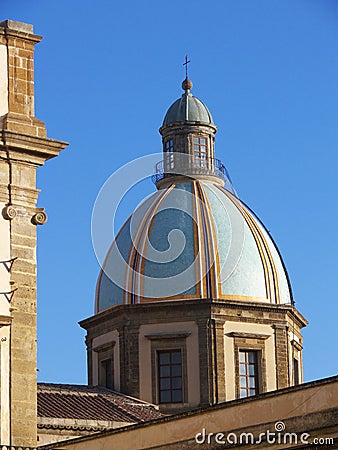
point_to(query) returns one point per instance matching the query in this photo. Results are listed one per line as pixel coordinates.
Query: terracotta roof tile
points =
(92, 403)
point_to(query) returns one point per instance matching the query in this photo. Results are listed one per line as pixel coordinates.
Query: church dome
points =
(192, 240)
(187, 109)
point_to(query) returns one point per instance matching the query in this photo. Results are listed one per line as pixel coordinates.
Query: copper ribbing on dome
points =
(136, 260)
(273, 292)
(209, 244)
(188, 108)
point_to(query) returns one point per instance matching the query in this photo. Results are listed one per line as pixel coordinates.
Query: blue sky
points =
(107, 71)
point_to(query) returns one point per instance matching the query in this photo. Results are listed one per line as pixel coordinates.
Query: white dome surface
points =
(192, 240)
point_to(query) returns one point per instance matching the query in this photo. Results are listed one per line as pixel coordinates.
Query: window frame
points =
(250, 342)
(296, 373)
(200, 151)
(246, 375)
(169, 149)
(169, 342)
(106, 379)
(171, 377)
(295, 368)
(105, 353)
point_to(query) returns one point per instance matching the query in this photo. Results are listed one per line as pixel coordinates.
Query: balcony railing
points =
(176, 164)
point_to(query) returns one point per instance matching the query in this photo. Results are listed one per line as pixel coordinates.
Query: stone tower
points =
(23, 148)
(194, 305)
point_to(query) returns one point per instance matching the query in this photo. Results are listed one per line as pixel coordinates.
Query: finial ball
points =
(187, 84)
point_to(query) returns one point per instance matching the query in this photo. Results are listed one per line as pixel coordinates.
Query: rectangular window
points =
(106, 373)
(248, 373)
(169, 149)
(200, 152)
(170, 376)
(295, 371)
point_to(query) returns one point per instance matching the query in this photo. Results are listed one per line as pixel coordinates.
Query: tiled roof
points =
(81, 402)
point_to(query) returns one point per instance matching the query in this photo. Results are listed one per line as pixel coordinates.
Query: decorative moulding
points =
(39, 218)
(103, 347)
(235, 334)
(168, 335)
(9, 212)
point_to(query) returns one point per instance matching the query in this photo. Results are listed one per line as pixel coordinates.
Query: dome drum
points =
(183, 134)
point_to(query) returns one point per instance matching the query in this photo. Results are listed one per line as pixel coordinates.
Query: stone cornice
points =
(79, 424)
(19, 30)
(117, 310)
(166, 181)
(289, 309)
(121, 309)
(295, 316)
(27, 148)
(164, 335)
(297, 345)
(5, 320)
(235, 334)
(107, 346)
(186, 127)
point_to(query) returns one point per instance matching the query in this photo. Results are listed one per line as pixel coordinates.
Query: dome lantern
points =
(188, 137)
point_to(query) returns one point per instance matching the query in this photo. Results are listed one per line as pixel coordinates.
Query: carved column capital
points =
(39, 218)
(9, 212)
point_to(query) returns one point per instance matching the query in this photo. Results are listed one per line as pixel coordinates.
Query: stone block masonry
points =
(23, 148)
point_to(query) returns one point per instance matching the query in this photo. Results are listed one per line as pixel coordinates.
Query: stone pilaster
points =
(19, 41)
(89, 347)
(282, 357)
(204, 355)
(129, 360)
(23, 148)
(220, 360)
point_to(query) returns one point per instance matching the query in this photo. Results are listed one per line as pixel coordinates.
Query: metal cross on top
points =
(186, 65)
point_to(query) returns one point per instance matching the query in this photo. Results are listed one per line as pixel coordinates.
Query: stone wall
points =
(222, 328)
(23, 147)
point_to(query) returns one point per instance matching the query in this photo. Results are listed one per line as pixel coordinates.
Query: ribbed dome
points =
(187, 109)
(192, 240)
